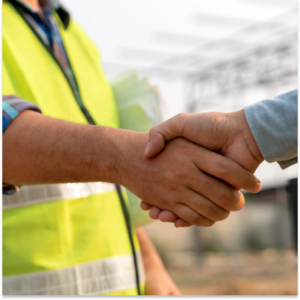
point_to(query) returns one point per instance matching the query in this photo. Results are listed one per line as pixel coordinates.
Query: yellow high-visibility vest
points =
(74, 238)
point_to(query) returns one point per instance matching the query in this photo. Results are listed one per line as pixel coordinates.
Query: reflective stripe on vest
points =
(93, 278)
(40, 234)
(34, 194)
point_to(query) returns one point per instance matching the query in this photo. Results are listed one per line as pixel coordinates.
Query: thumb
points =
(160, 134)
(155, 145)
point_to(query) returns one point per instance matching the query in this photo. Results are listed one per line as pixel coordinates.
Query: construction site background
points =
(213, 56)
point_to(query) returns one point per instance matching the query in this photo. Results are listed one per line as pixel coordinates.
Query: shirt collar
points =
(55, 5)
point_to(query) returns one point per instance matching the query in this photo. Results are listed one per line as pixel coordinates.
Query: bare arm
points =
(39, 149)
(158, 281)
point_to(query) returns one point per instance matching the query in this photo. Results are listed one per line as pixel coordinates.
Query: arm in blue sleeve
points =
(274, 124)
(12, 106)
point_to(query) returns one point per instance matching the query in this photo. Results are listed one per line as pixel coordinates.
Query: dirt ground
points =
(268, 272)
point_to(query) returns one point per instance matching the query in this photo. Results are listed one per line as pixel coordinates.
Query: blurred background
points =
(213, 56)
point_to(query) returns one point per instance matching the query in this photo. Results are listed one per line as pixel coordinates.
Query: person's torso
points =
(63, 238)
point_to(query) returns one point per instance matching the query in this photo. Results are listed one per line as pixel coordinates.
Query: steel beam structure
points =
(267, 65)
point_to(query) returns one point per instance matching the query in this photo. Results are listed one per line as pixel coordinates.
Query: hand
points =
(228, 134)
(158, 282)
(177, 180)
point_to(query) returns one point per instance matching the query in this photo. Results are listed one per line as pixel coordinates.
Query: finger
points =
(211, 197)
(167, 216)
(145, 206)
(160, 134)
(209, 209)
(224, 168)
(181, 223)
(155, 145)
(154, 213)
(175, 292)
(189, 215)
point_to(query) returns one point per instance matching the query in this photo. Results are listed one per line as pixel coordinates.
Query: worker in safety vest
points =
(66, 224)
(52, 245)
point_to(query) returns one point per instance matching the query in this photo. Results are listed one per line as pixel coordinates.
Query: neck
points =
(34, 4)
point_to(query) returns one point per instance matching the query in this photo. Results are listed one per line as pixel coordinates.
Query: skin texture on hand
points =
(178, 180)
(158, 281)
(227, 134)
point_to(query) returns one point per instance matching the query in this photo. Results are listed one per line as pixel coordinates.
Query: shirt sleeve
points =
(12, 106)
(274, 124)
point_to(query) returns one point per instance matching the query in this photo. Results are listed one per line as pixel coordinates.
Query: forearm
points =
(150, 256)
(158, 281)
(39, 149)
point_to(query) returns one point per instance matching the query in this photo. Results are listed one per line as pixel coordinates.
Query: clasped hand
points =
(201, 161)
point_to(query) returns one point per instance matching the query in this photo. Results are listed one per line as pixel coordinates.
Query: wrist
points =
(110, 146)
(242, 130)
(128, 155)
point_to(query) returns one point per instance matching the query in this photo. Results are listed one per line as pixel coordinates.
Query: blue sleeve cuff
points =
(12, 106)
(274, 124)
(9, 189)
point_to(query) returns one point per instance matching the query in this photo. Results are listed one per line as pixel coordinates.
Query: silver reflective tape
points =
(34, 194)
(93, 278)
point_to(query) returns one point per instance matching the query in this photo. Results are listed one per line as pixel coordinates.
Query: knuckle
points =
(254, 183)
(172, 195)
(180, 116)
(166, 202)
(201, 221)
(229, 199)
(170, 183)
(179, 142)
(212, 211)
(223, 168)
(225, 215)
(163, 203)
(180, 119)
(153, 131)
(240, 203)
(180, 173)
(171, 189)
(209, 223)
(217, 213)
(248, 182)
(198, 220)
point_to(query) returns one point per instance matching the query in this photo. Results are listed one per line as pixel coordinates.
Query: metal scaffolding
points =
(260, 54)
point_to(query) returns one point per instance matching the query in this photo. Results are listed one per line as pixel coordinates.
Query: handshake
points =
(194, 167)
